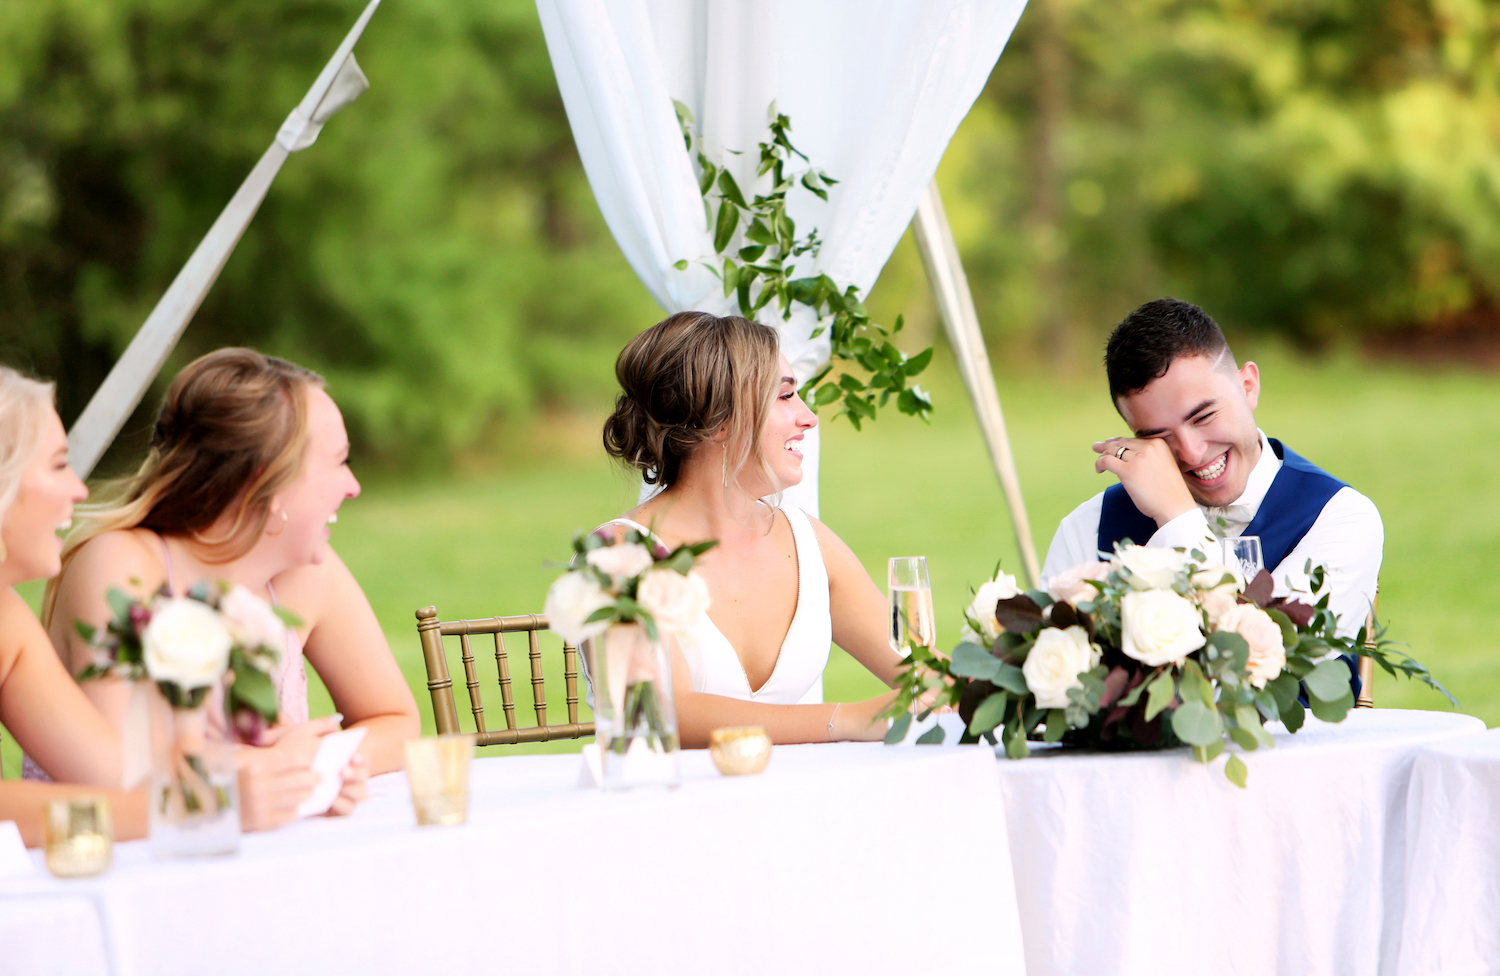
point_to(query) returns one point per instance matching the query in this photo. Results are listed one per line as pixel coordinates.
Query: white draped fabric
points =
(874, 90)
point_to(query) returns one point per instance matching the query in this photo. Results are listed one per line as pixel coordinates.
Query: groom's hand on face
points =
(1148, 470)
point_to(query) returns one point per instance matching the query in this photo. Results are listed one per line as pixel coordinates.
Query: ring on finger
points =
(1120, 454)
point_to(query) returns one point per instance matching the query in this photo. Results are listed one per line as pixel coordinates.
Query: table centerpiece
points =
(1153, 649)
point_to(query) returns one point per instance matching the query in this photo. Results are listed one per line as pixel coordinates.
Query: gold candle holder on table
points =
(80, 837)
(740, 751)
(437, 768)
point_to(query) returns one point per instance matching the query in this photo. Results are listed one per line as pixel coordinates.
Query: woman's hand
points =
(861, 721)
(356, 788)
(275, 778)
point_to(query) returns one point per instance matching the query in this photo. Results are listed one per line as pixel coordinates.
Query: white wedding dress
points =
(797, 677)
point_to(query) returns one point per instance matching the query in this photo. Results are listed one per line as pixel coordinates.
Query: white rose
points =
(982, 610)
(1267, 652)
(622, 561)
(1158, 627)
(571, 600)
(1054, 663)
(1070, 585)
(677, 602)
(186, 643)
(251, 621)
(1151, 567)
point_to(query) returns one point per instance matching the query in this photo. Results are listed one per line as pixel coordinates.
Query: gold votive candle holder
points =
(741, 750)
(437, 768)
(80, 837)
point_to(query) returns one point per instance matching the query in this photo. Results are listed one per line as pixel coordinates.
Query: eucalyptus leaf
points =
(1057, 724)
(899, 726)
(1196, 724)
(1329, 681)
(1160, 693)
(1294, 717)
(990, 713)
(1011, 679)
(1235, 770)
(932, 737)
(972, 661)
(1332, 711)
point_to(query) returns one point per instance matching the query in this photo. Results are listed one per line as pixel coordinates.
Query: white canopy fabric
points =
(874, 90)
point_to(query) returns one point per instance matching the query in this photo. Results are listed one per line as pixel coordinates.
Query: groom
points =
(1198, 469)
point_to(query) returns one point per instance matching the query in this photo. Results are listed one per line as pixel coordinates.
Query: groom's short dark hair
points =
(1143, 347)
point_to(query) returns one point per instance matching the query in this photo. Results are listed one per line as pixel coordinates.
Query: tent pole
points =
(339, 83)
(950, 289)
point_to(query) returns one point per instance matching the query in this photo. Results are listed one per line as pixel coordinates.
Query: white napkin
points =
(13, 857)
(334, 752)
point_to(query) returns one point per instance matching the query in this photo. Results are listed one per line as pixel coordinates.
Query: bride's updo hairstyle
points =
(231, 433)
(692, 378)
(23, 403)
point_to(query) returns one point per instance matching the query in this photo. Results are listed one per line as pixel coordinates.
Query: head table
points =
(838, 859)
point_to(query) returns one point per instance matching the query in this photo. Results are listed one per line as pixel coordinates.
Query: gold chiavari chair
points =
(431, 630)
(1366, 697)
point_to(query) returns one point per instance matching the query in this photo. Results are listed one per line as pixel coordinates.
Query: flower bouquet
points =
(185, 645)
(1152, 649)
(623, 597)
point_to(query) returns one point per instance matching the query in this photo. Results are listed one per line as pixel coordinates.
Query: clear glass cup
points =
(437, 769)
(80, 837)
(911, 617)
(1243, 554)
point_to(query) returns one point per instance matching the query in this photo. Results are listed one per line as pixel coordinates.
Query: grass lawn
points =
(1422, 445)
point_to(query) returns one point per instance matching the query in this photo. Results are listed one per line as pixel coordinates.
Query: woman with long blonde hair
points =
(709, 413)
(39, 703)
(247, 468)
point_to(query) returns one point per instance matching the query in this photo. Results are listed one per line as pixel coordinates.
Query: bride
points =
(710, 414)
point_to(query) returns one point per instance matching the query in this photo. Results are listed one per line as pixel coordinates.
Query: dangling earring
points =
(283, 525)
(726, 463)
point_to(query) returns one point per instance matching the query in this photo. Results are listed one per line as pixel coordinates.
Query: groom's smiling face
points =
(1205, 411)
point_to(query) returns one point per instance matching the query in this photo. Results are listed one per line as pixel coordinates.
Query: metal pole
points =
(339, 83)
(950, 289)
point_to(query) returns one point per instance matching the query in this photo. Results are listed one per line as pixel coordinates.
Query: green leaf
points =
(1210, 752)
(729, 219)
(827, 393)
(254, 688)
(1235, 770)
(1057, 724)
(1294, 716)
(917, 363)
(119, 602)
(1015, 744)
(1160, 694)
(86, 631)
(731, 277)
(731, 191)
(1332, 711)
(1196, 723)
(932, 737)
(972, 661)
(990, 713)
(1329, 681)
(680, 265)
(1012, 679)
(1244, 738)
(898, 729)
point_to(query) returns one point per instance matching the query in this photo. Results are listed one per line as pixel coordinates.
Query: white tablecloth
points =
(1151, 863)
(823, 864)
(1451, 918)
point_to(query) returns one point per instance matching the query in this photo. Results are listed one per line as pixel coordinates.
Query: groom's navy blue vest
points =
(1291, 506)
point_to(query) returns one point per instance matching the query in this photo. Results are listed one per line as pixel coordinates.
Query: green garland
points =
(758, 274)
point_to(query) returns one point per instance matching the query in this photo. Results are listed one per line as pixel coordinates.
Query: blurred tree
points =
(437, 253)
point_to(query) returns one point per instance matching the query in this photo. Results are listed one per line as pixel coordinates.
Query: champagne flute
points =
(912, 621)
(1244, 555)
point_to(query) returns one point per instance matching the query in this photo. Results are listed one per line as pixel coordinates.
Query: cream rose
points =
(982, 609)
(571, 600)
(186, 643)
(251, 621)
(1217, 591)
(1267, 652)
(620, 562)
(1054, 663)
(1150, 567)
(1159, 627)
(675, 601)
(1071, 586)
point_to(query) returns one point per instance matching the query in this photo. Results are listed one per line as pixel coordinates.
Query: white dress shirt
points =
(1348, 538)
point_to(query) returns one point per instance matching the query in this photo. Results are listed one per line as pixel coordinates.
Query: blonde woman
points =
(39, 703)
(710, 413)
(247, 469)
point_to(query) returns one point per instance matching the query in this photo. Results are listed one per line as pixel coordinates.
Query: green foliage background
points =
(1324, 170)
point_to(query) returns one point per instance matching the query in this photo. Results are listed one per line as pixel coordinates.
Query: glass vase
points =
(194, 795)
(635, 715)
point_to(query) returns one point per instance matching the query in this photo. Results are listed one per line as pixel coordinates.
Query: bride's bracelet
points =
(831, 716)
